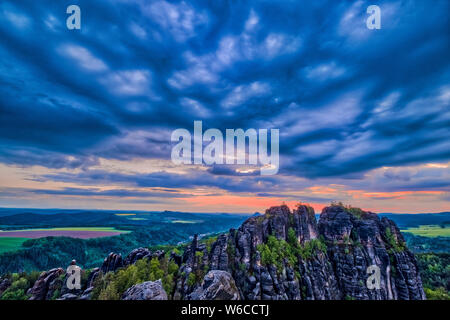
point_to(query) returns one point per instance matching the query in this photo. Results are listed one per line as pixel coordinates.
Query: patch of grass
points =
(275, 251)
(393, 243)
(209, 242)
(437, 294)
(11, 244)
(191, 280)
(185, 221)
(430, 231)
(356, 212)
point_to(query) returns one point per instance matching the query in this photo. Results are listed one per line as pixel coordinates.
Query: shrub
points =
(437, 294)
(275, 251)
(356, 212)
(17, 290)
(113, 285)
(191, 280)
(392, 242)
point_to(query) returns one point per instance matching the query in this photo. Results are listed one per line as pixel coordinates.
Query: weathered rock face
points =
(92, 276)
(112, 262)
(86, 295)
(357, 241)
(150, 290)
(217, 285)
(69, 296)
(4, 284)
(45, 285)
(329, 259)
(142, 253)
(136, 255)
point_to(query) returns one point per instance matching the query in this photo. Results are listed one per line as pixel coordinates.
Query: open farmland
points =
(81, 233)
(430, 231)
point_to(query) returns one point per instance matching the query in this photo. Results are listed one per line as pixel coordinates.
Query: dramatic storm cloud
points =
(87, 115)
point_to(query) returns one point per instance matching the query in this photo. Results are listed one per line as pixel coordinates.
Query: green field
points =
(430, 231)
(186, 221)
(11, 244)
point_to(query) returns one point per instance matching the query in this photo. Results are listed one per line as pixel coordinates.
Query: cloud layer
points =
(364, 109)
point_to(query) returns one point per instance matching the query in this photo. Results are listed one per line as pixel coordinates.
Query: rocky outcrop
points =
(360, 239)
(217, 285)
(69, 296)
(281, 255)
(142, 253)
(288, 255)
(92, 276)
(150, 290)
(45, 285)
(4, 284)
(176, 258)
(111, 263)
(136, 255)
(86, 295)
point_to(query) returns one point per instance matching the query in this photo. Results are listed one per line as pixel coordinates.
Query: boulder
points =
(150, 290)
(4, 284)
(216, 285)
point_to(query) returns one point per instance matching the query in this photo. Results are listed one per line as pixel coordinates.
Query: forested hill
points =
(147, 229)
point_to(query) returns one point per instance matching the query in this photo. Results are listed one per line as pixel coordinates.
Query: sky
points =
(86, 115)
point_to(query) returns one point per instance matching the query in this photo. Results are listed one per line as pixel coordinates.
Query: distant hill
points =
(72, 217)
(31, 218)
(413, 220)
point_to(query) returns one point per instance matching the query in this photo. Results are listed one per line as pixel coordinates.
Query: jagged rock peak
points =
(112, 262)
(328, 259)
(137, 254)
(42, 288)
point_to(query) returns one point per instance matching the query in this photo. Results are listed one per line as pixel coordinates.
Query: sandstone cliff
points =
(288, 255)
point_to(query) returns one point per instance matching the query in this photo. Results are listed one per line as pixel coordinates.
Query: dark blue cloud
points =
(191, 179)
(96, 192)
(346, 99)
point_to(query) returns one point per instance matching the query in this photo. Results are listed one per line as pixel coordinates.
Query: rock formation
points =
(137, 254)
(4, 284)
(150, 290)
(281, 255)
(288, 255)
(45, 285)
(217, 285)
(112, 262)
